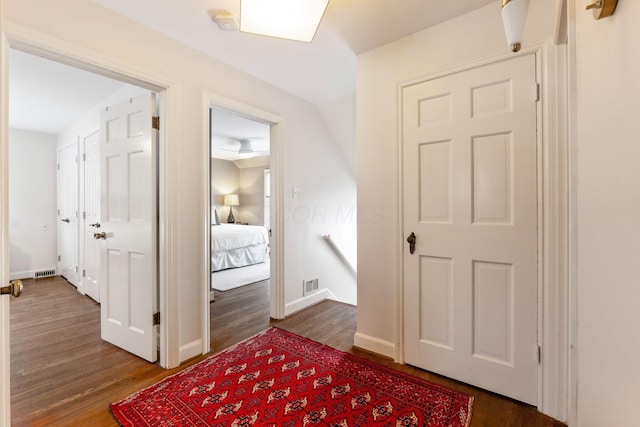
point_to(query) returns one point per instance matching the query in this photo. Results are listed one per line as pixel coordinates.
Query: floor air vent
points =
(44, 273)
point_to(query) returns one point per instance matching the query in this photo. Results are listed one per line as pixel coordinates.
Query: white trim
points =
(308, 301)
(277, 295)
(5, 371)
(190, 350)
(374, 344)
(572, 165)
(553, 306)
(70, 54)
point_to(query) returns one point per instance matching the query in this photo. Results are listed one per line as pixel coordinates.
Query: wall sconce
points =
(514, 14)
(603, 8)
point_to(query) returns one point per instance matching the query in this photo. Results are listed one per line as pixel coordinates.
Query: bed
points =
(236, 245)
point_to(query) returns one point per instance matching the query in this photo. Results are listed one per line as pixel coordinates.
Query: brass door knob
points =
(100, 236)
(14, 289)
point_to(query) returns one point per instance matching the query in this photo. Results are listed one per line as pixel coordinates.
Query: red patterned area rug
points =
(280, 379)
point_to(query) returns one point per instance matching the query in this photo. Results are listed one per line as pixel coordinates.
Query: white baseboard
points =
(193, 349)
(21, 275)
(309, 300)
(375, 345)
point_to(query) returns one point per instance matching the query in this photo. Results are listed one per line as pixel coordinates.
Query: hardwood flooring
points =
(63, 374)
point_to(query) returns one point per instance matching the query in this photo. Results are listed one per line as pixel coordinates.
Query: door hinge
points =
(58, 166)
(155, 122)
(84, 214)
(84, 273)
(84, 157)
(539, 355)
(537, 94)
(156, 318)
(59, 258)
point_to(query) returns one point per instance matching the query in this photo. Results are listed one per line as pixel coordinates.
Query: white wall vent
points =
(43, 273)
(310, 286)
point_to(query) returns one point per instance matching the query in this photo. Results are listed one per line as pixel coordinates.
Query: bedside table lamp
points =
(231, 200)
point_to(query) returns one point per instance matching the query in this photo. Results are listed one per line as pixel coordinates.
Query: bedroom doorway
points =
(240, 234)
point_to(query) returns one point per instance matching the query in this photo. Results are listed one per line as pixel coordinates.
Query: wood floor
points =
(63, 374)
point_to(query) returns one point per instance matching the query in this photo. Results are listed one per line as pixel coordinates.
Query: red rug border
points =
(386, 369)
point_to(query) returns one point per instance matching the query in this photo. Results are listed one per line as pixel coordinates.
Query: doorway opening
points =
(54, 177)
(243, 239)
(240, 177)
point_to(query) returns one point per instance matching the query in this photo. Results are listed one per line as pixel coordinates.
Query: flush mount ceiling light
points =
(245, 147)
(514, 14)
(287, 19)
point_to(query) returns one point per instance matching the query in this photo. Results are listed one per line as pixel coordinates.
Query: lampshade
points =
(288, 19)
(514, 14)
(231, 200)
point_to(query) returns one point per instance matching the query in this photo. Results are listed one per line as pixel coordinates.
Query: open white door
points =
(68, 212)
(91, 215)
(470, 198)
(128, 205)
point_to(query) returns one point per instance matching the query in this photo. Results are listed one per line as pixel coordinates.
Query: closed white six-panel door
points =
(128, 208)
(470, 197)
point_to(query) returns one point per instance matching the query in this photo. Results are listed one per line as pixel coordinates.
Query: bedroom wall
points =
(379, 72)
(242, 178)
(32, 203)
(225, 179)
(607, 88)
(252, 195)
(309, 152)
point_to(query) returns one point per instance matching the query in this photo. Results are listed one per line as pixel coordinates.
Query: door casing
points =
(276, 165)
(554, 297)
(39, 44)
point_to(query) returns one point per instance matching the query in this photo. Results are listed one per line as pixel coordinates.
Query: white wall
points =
(608, 213)
(308, 149)
(379, 72)
(32, 203)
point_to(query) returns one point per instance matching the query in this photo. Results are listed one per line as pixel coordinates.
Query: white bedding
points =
(234, 245)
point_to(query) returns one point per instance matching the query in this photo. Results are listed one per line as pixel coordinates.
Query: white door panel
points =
(470, 196)
(68, 213)
(92, 215)
(128, 210)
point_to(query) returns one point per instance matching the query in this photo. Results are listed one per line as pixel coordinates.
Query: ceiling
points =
(47, 96)
(319, 72)
(227, 131)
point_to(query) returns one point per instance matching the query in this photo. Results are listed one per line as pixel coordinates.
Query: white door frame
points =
(553, 222)
(14, 36)
(276, 164)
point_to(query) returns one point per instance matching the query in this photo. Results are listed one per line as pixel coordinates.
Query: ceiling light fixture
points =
(287, 19)
(245, 147)
(514, 14)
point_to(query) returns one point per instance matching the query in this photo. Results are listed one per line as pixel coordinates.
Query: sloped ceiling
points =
(319, 72)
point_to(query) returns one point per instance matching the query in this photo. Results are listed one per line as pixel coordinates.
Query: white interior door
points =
(91, 217)
(128, 206)
(470, 197)
(68, 213)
